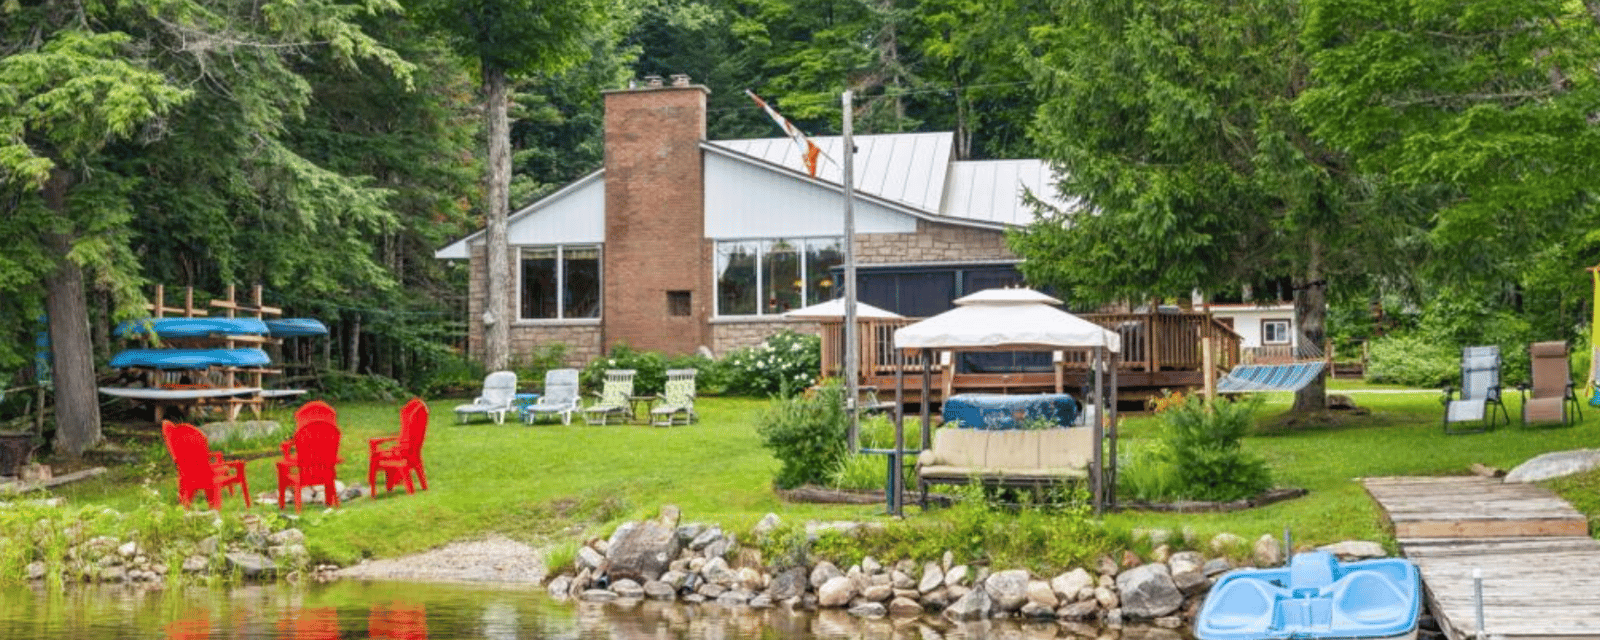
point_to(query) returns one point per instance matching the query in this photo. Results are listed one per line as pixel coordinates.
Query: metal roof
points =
(917, 170)
(908, 168)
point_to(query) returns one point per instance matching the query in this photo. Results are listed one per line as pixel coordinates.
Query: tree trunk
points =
(496, 324)
(71, 348)
(355, 343)
(1310, 319)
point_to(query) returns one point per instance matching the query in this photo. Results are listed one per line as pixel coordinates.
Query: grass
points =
(552, 483)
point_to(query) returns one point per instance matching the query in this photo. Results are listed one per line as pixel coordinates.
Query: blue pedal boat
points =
(1316, 597)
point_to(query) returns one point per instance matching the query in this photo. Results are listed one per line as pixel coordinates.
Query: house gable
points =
(575, 214)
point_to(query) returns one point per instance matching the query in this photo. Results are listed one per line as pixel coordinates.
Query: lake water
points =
(349, 609)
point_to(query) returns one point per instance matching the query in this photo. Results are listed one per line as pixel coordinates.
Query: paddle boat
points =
(1316, 597)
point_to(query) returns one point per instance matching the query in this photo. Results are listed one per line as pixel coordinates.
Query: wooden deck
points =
(1540, 568)
(1160, 351)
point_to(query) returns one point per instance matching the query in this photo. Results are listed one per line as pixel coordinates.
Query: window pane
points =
(780, 276)
(736, 278)
(539, 283)
(583, 282)
(822, 255)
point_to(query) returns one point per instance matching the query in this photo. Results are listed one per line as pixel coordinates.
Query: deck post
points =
(1208, 370)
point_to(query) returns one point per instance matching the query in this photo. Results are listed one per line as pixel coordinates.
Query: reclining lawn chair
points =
(1474, 411)
(614, 400)
(499, 391)
(1554, 398)
(677, 400)
(560, 397)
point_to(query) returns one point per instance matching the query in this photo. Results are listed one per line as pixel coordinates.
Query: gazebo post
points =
(1096, 477)
(1115, 432)
(927, 397)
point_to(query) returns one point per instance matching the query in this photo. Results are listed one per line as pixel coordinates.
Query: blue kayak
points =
(1316, 597)
(191, 327)
(190, 358)
(296, 327)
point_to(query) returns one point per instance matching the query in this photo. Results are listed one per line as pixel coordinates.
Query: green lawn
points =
(552, 482)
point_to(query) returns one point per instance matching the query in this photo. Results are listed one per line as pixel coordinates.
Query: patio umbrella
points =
(834, 309)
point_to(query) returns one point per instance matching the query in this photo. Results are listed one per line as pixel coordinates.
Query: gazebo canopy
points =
(1008, 320)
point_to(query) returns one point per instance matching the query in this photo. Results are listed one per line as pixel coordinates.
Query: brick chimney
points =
(657, 260)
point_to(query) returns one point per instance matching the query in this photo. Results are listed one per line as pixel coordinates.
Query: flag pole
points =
(852, 364)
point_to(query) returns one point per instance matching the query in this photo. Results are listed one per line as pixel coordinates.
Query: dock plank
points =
(1540, 568)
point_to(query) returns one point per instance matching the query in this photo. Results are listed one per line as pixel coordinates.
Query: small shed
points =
(1027, 320)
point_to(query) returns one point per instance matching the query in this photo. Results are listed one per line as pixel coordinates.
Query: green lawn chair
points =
(614, 402)
(677, 400)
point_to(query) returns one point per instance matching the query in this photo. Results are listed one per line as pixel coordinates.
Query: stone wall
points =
(933, 242)
(583, 341)
(729, 336)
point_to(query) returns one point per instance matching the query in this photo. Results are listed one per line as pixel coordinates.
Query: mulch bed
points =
(814, 494)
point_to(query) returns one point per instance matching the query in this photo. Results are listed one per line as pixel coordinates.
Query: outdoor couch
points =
(1029, 458)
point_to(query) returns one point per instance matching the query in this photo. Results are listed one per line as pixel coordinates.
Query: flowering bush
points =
(785, 364)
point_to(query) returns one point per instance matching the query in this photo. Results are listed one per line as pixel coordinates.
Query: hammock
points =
(1269, 377)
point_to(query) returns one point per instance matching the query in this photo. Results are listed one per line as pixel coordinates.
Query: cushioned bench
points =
(1009, 458)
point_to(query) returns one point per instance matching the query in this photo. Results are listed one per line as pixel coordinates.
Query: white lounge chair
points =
(499, 391)
(560, 397)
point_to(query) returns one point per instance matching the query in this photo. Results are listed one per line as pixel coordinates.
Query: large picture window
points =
(769, 277)
(560, 282)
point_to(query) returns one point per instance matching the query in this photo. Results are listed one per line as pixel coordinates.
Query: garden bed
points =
(1198, 506)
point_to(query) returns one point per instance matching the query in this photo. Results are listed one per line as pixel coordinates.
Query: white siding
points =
(577, 216)
(746, 200)
(1247, 321)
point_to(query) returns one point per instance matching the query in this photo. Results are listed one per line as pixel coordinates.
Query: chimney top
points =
(652, 81)
(680, 79)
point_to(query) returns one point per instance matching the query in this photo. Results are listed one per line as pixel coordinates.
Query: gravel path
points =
(495, 559)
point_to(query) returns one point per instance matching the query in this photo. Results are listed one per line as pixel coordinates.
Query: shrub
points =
(807, 434)
(858, 471)
(785, 364)
(1144, 473)
(1412, 360)
(1203, 446)
(710, 378)
(650, 369)
(532, 367)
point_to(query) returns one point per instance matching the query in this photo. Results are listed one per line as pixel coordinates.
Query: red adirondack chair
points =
(311, 458)
(403, 453)
(200, 468)
(315, 410)
(398, 621)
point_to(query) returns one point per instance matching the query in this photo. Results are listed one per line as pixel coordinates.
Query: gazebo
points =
(1023, 320)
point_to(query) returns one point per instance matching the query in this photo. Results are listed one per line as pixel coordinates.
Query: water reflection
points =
(414, 612)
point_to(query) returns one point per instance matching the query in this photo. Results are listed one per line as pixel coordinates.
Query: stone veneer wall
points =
(933, 242)
(582, 340)
(730, 336)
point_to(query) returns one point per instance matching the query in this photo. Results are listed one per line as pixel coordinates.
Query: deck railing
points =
(1150, 343)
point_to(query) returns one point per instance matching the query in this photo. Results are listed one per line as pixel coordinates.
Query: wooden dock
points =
(1540, 568)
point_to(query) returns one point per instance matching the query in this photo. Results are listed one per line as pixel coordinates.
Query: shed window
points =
(1274, 332)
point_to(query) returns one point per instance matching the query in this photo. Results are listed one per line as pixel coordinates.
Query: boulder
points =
(659, 590)
(869, 610)
(1040, 592)
(1267, 552)
(1147, 591)
(1007, 589)
(597, 595)
(751, 579)
(1223, 543)
(287, 536)
(706, 537)
(956, 575)
(735, 597)
(588, 558)
(1355, 550)
(1068, 585)
(823, 572)
(1217, 566)
(975, 605)
(1036, 611)
(768, 524)
(836, 592)
(716, 570)
(904, 608)
(1106, 598)
(870, 565)
(1188, 572)
(251, 565)
(901, 580)
(932, 578)
(936, 599)
(877, 593)
(1079, 611)
(1106, 565)
(641, 552)
(789, 583)
(627, 588)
